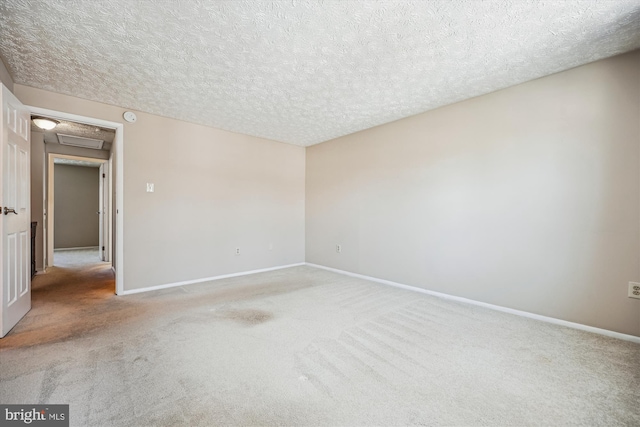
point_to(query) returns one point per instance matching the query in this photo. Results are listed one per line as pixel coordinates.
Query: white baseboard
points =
(74, 249)
(207, 279)
(553, 320)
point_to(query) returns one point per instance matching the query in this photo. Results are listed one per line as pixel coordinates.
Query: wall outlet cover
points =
(634, 290)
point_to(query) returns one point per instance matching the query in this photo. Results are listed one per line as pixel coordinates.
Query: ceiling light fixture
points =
(45, 123)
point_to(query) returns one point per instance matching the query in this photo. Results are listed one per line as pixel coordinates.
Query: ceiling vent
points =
(77, 141)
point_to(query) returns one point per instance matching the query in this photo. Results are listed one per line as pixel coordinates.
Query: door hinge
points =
(104, 175)
(103, 248)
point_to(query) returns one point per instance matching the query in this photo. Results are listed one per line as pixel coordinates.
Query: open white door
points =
(15, 255)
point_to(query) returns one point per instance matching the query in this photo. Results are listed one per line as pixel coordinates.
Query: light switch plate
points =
(150, 187)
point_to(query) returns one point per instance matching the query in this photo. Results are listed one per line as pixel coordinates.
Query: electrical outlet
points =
(338, 248)
(237, 251)
(150, 187)
(634, 290)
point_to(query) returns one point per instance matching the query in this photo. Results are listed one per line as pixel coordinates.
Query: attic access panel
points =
(77, 141)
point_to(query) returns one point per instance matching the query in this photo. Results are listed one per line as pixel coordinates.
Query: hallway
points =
(67, 300)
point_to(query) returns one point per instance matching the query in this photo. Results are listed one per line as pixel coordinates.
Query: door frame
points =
(50, 211)
(117, 159)
(105, 193)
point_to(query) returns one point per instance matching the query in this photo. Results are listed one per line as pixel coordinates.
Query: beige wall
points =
(5, 77)
(526, 198)
(214, 191)
(37, 193)
(76, 203)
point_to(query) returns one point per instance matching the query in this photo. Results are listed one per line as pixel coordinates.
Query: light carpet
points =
(303, 346)
(76, 257)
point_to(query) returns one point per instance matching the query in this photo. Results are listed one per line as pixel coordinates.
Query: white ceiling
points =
(302, 72)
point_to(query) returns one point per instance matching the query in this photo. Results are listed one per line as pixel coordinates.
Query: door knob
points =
(7, 210)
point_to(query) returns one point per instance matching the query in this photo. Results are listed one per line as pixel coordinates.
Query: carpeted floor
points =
(304, 346)
(76, 257)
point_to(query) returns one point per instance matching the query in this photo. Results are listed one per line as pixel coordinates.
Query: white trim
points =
(75, 249)
(49, 213)
(70, 157)
(110, 188)
(117, 146)
(553, 320)
(208, 279)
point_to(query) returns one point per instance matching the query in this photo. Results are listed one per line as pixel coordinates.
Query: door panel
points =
(12, 261)
(24, 263)
(15, 255)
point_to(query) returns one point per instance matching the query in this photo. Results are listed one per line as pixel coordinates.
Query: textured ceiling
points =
(302, 72)
(82, 130)
(71, 162)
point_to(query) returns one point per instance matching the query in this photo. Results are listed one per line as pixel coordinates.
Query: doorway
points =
(111, 193)
(79, 215)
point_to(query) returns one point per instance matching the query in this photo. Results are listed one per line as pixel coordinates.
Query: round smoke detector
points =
(130, 116)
